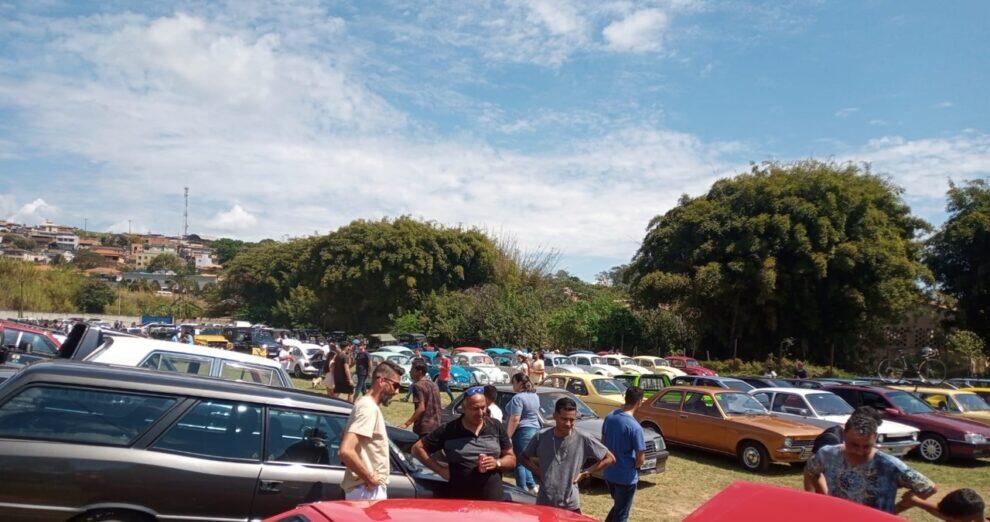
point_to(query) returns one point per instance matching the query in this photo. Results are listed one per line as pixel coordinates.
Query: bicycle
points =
(897, 368)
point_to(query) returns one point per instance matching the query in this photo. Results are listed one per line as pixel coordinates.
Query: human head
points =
(800, 364)
(475, 406)
(490, 394)
(564, 416)
(386, 378)
(521, 383)
(417, 351)
(634, 396)
(962, 505)
(418, 371)
(860, 434)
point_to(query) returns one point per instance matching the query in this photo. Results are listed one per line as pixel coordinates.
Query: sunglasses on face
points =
(390, 381)
(474, 390)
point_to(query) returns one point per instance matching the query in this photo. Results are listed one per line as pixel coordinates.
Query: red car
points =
(426, 510)
(689, 365)
(25, 343)
(748, 501)
(942, 436)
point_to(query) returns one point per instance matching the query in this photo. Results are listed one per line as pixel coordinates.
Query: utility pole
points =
(185, 215)
(128, 227)
(20, 302)
(85, 225)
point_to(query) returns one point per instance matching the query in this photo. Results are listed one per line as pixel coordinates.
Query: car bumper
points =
(969, 451)
(795, 454)
(898, 449)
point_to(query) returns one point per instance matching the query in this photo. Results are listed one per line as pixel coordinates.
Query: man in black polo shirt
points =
(477, 448)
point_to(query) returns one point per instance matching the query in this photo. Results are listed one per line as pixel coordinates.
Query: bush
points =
(784, 368)
(93, 297)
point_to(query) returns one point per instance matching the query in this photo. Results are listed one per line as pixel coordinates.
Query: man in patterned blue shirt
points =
(856, 471)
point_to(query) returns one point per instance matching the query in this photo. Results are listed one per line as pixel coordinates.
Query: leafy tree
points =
(299, 308)
(226, 249)
(86, 259)
(19, 241)
(93, 296)
(168, 261)
(959, 254)
(815, 251)
(259, 277)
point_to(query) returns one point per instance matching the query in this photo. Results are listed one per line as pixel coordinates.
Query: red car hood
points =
(759, 502)
(442, 510)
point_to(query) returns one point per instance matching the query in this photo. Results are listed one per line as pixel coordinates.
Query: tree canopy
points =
(169, 261)
(815, 251)
(959, 254)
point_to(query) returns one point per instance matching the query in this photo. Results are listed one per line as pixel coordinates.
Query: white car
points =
(484, 363)
(190, 359)
(625, 363)
(658, 365)
(826, 409)
(401, 359)
(395, 348)
(306, 360)
(591, 363)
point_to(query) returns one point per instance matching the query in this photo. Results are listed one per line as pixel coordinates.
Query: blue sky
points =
(563, 124)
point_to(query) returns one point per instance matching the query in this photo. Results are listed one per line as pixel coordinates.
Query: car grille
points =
(897, 438)
(802, 443)
(651, 447)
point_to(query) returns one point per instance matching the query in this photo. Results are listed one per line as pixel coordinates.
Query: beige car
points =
(658, 365)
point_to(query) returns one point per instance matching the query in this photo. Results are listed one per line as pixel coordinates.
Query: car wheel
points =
(753, 456)
(114, 515)
(933, 448)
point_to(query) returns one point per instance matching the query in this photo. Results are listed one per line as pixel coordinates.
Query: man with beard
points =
(364, 446)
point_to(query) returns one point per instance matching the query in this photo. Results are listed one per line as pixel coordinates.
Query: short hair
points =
(491, 392)
(634, 394)
(564, 404)
(419, 367)
(865, 421)
(962, 503)
(388, 369)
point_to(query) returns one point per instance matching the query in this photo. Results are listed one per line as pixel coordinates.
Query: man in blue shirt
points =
(623, 436)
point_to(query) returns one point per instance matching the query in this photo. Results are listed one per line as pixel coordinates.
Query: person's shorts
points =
(362, 492)
(343, 387)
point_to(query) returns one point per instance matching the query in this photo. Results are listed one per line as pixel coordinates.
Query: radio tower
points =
(185, 216)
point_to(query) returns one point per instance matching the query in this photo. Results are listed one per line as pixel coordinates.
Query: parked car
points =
(561, 364)
(113, 443)
(983, 392)
(396, 348)
(252, 340)
(941, 437)
(481, 362)
(763, 382)
(424, 511)
(658, 365)
(965, 404)
(625, 363)
(651, 383)
(602, 394)
(750, 501)
(588, 421)
(714, 382)
(211, 336)
(688, 365)
(460, 376)
(401, 359)
(24, 343)
(807, 384)
(307, 360)
(826, 409)
(496, 351)
(167, 356)
(592, 363)
(728, 422)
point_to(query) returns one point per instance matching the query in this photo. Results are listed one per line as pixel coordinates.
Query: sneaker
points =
(535, 490)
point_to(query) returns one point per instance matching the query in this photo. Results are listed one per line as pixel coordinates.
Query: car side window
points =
(577, 387)
(232, 371)
(683, 381)
(701, 403)
(788, 403)
(763, 398)
(10, 337)
(36, 343)
(81, 415)
(939, 402)
(669, 401)
(304, 437)
(874, 400)
(650, 383)
(216, 429)
(178, 363)
(554, 382)
(850, 396)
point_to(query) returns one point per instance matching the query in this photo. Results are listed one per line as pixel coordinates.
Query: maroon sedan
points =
(942, 436)
(689, 365)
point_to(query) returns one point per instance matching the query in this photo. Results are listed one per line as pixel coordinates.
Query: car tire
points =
(114, 515)
(753, 456)
(933, 448)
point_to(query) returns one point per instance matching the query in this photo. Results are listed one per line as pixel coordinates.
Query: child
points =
(961, 505)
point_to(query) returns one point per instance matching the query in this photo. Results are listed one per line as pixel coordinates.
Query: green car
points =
(651, 383)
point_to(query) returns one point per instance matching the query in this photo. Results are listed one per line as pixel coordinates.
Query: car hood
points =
(887, 427)
(983, 417)
(947, 422)
(783, 426)
(612, 371)
(642, 370)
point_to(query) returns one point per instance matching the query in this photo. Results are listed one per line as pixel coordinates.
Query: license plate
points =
(649, 464)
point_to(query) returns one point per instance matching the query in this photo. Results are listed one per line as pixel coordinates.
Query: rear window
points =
(232, 371)
(218, 429)
(179, 363)
(80, 415)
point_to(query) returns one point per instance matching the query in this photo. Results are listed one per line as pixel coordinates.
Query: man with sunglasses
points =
(364, 447)
(477, 448)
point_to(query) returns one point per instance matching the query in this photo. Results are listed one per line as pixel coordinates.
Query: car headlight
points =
(974, 438)
(788, 441)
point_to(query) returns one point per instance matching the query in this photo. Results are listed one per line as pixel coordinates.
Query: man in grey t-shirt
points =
(557, 454)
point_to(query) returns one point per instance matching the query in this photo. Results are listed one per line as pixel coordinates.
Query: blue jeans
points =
(622, 496)
(520, 439)
(362, 381)
(445, 387)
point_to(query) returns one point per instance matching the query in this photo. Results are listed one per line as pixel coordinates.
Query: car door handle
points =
(682, 416)
(270, 486)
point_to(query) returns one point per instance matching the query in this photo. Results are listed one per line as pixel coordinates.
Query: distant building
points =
(142, 254)
(111, 254)
(168, 280)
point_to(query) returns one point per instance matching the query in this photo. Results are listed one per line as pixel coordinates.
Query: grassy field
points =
(692, 477)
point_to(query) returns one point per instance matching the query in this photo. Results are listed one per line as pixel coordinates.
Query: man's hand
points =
(372, 481)
(581, 476)
(486, 463)
(444, 472)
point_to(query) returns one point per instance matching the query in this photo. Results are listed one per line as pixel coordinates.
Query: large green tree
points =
(226, 249)
(169, 262)
(93, 296)
(959, 254)
(819, 252)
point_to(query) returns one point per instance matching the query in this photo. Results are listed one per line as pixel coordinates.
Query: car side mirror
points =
(892, 411)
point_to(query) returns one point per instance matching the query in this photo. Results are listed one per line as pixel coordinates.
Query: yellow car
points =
(212, 337)
(658, 365)
(960, 403)
(982, 391)
(602, 394)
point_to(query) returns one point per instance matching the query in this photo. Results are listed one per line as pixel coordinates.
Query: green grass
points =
(693, 477)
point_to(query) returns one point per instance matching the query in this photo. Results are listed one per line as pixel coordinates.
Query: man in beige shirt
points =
(364, 446)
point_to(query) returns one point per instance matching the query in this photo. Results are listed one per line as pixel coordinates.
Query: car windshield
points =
(548, 400)
(609, 386)
(739, 403)
(909, 403)
(482, 360)
(612, 362)
(260, 337)
(972, 402)
(829, 404)
(557, 361)
(597, 360)
(691, 362)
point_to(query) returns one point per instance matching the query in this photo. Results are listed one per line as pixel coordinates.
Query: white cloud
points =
(234, 220)
(943, 105)
(642, 31)
(559, 17)
(878, 123)
(846, 112)
(33, 213)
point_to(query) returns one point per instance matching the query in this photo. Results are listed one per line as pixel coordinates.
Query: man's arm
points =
(814, 476)
(531, 463)
(418, 412)
(605, 462)
(419, 451)
(348, 455)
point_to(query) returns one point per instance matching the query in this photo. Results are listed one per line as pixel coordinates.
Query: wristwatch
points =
(498, 463)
